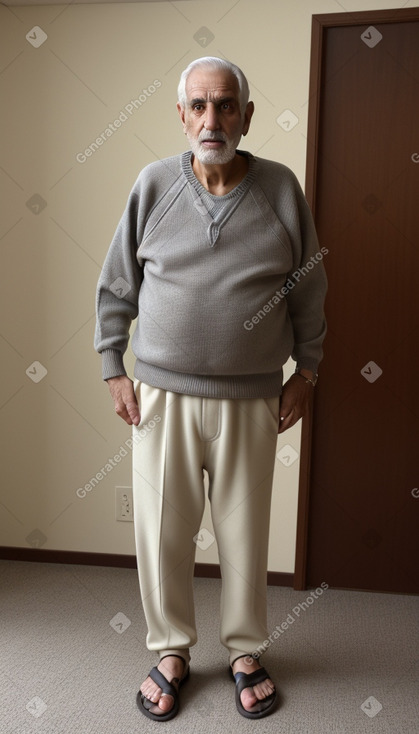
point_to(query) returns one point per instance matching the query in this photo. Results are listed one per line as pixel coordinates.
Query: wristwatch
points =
(312, 381)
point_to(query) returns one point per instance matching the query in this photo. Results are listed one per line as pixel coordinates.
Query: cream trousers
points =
(234, 441)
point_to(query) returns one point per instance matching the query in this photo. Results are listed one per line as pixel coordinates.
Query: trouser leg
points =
(235, 440)
(240, 463)
(168, 506)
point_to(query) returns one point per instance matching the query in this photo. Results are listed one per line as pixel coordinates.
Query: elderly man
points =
(217, 255)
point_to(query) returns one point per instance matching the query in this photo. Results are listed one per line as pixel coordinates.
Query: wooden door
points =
(358, 525)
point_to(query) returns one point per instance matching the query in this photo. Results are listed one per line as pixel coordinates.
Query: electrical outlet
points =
(124, 504)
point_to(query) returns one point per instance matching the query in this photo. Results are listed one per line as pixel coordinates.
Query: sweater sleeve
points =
(117, 291)
(306, 284)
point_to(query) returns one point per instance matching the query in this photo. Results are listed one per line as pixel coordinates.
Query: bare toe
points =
(264, 689)
(165, 703)
(155, 701)
(248, 698)
(252, 697)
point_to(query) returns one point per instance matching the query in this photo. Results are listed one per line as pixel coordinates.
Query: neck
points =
(221, 178)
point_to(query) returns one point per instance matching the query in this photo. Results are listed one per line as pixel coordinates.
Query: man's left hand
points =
(294, 402)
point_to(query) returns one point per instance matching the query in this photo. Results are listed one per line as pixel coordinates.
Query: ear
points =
(181, 112)
(250, 108)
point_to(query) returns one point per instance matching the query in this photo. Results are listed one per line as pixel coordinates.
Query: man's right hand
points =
(126, 405)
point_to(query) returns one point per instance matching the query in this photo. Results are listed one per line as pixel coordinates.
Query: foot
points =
(249, 697)
(173, 668)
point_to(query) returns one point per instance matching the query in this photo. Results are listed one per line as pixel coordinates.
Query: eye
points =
(198, 107)
(227, 107)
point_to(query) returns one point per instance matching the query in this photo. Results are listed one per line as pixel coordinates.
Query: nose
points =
(211, 117)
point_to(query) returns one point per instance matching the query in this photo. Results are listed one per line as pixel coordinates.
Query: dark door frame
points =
(320, 25)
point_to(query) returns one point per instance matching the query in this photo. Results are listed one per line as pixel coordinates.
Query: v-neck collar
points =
(229, 202)
(238, 190)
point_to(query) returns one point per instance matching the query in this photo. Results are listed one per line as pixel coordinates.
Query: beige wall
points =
(57, 99)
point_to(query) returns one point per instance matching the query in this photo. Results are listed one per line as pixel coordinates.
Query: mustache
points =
(208, 135)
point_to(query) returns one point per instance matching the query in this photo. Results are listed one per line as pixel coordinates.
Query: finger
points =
(290, 420)
(133, 412)
(286, 421)
(131, 404)
(285, 411)
(121, 410)
(286, 408)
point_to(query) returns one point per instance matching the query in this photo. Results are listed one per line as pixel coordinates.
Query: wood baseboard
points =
(212, 571)
(41, 555)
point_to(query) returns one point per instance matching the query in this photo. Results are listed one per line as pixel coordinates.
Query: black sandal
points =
(248, 680)
(144, 704)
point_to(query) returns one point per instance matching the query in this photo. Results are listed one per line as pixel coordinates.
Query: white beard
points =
(214, 157)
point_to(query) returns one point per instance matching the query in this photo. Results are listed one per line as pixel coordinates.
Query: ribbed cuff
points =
(308, 364)
(112, 364)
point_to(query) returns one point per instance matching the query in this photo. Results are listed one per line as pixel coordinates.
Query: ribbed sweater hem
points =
(211, 386)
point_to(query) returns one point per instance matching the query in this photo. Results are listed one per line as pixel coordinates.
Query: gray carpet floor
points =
(73, 655)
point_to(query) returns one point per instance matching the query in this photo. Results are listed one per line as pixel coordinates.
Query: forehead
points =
(211, 83)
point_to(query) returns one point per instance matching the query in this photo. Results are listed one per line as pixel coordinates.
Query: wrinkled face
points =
(212, 119)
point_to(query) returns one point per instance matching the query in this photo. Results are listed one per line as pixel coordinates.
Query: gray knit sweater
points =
(225, 288)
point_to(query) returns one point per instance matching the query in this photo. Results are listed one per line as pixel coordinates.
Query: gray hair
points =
(213, 62)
